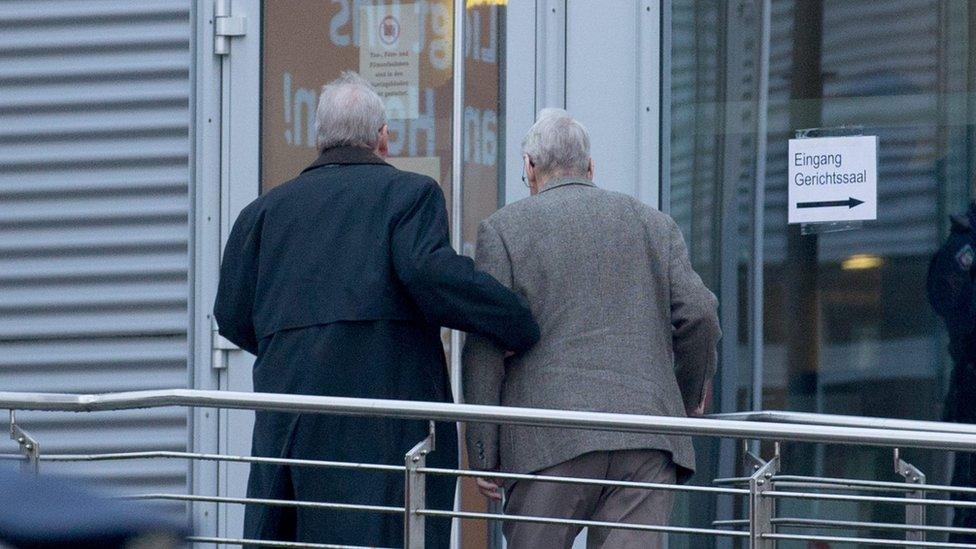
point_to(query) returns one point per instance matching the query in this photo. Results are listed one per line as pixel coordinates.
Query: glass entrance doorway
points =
(828, 322)
(442, 124)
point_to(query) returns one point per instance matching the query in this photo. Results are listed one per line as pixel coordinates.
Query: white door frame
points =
(538, 34)
(225, 175)
(239, 186)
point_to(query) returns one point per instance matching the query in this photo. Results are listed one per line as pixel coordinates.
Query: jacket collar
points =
(563, 181)
(345, 155)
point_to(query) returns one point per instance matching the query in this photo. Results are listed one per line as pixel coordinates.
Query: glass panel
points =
(403, 48)
(846, 324)
(484, 153)
(482, 186)
(712, 173)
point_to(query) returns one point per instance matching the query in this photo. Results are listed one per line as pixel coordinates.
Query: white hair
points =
(350, 112)
(558, 145)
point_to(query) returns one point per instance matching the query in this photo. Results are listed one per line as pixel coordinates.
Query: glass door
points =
(404, 48)
(408, 51)
(826, 322)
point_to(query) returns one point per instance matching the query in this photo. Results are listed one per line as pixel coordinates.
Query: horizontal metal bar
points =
(438, 411)
(850, 524)
(731, 522)
(274, 502)
(731, 480)
(886, 485)
(282, 544)
(872, 541)
(870, 499)
(833, 487)
(215, 457)
(588, 523)
(586, 481)
(809, 418)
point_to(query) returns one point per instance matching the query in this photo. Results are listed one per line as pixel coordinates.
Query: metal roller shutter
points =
(94, 206)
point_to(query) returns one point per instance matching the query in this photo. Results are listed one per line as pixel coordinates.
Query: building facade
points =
(135, 131)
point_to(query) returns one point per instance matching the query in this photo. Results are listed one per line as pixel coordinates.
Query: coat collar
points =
(345, 155)
(563, 181)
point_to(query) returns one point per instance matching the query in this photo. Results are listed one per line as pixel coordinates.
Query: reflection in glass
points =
(306, 43)
(846, 325)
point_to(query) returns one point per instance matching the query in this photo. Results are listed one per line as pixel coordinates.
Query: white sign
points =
(389, 56)
(833, 179)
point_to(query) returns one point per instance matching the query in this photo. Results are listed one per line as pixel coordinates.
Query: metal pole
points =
(457, 167)
(757, 280)
(761, 510)
(914, 514)
(28, 446)
(415, 493)
(441, 411)
(759, 212)
(808, 418)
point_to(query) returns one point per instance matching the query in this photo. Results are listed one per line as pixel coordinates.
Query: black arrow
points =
(850, 203)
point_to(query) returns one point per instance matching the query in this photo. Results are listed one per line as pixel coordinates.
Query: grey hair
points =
(350, 112)
(557, 144)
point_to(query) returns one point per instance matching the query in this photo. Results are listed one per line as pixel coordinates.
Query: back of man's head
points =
(350, 112)
(558, 145)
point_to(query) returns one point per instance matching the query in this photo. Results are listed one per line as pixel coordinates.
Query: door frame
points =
(225, 140)
(226, 177)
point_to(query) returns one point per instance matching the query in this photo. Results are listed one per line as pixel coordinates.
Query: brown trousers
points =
(596, 503)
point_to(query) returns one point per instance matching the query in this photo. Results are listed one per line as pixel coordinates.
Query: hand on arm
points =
(446, 286)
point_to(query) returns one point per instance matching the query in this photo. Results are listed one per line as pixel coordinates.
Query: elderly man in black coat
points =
(339, 281)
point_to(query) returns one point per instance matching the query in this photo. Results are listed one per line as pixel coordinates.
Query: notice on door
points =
(389, 56)
(833, 179)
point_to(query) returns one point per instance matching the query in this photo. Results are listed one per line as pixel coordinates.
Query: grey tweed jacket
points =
(627, 326)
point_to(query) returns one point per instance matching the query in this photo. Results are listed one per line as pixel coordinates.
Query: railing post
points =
(28, 446)
(914, 514)
(761, 509)
(415, 493)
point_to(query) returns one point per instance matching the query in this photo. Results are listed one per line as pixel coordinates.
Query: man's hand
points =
(705, 403)
(489, 489)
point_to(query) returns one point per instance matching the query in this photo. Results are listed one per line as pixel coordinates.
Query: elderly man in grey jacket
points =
(627, 326)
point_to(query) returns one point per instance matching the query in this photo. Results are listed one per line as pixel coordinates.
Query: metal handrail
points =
(165, 454)
(437, 411)
(584, 523)
(852, 484)
(836, 420)
(276, 544)
(272, 502)
(782, 494)
(869, 541)
(849, 525)
(586, 481)
(765, 484)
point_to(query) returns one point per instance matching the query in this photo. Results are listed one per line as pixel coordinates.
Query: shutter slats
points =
(94, 224)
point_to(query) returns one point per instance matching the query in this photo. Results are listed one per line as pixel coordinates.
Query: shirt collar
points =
(345, 155)
(563, 181)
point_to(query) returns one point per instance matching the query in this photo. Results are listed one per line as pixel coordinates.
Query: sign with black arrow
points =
(833, 179)
(850, 203)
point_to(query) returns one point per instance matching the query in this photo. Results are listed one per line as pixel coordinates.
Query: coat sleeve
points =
(694, 321)
(483, 362)
(238, 280)
(446, 286)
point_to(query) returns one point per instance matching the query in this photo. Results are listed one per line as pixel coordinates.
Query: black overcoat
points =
(339, 281)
